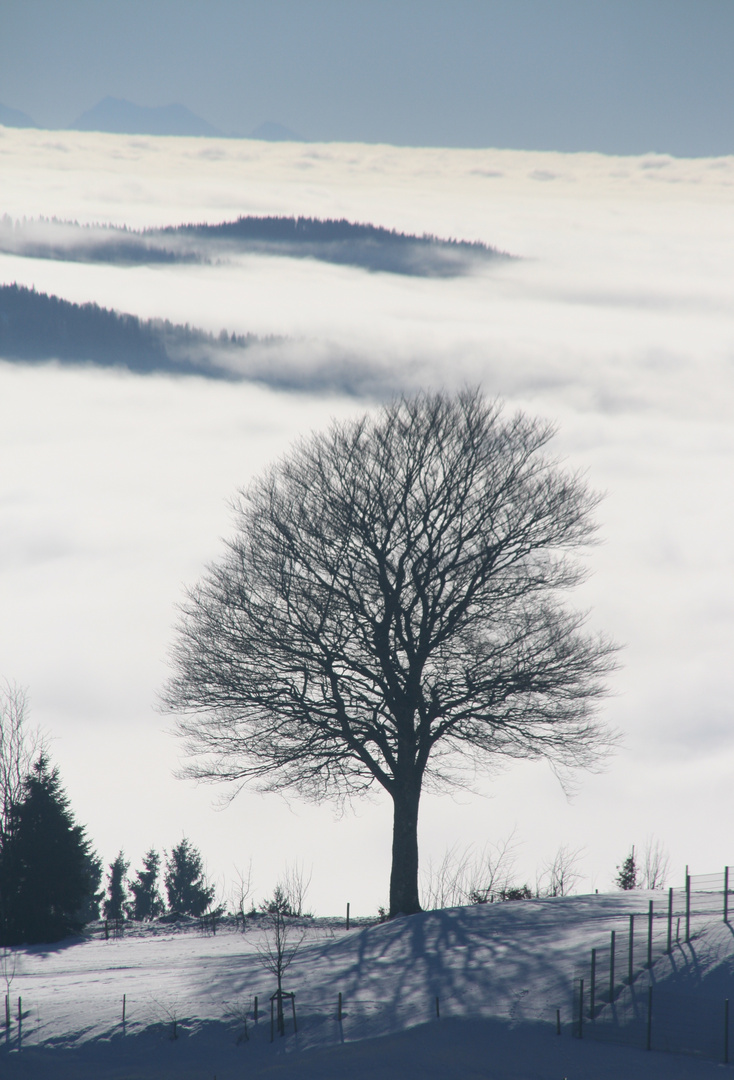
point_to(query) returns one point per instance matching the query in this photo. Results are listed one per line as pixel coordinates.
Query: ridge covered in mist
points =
(35, 327)
(345, 243)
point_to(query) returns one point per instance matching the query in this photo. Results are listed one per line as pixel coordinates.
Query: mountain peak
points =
(122, 117)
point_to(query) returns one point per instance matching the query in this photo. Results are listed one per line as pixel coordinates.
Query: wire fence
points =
(617, 996)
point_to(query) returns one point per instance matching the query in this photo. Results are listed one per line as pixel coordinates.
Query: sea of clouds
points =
(615, 321)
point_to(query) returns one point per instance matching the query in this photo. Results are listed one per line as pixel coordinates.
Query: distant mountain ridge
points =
(15, 118)
(120, 117)
(117, 116)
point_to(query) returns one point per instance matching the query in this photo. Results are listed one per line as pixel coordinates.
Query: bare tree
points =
(447, 884)
(465, 877)
(492, 876)
(655, 865)
(19, 748)
(562, 872)
(389, 612)
(283, 939)
(240, 893)
(295, 883)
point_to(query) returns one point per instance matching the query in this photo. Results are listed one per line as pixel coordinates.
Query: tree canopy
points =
(390, 611)
(186, 885)
(49, 875)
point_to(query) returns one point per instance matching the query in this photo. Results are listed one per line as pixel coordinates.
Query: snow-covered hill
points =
(467, 992)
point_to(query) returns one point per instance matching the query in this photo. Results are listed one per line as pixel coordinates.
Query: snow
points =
(499, 972)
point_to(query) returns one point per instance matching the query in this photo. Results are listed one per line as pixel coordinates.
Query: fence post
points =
(611, 968)
(688, 908)
(124, 1002)
(632, 946)
(20, 1022)
(592, 988)
(347, 916)
(581, 1008)
(670, 920)
(438, 1011)
(339, 1012)
(726, 894)
(726, 1031)
(649, 936)
(649, 1018)
(293, 1006)
(558, 1021)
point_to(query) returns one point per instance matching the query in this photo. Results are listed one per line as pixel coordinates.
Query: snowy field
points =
(500, 973)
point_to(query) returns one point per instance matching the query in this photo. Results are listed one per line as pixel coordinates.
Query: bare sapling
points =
(655, 864)
(561, 875)
(283, 939)
(240, 895)
(295, 885)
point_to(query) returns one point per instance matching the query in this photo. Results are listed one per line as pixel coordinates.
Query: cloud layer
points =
(616, 323)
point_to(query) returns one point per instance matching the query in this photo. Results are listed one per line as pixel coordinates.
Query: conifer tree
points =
(115, 904)
(48, 871)
(146, 899)
(627, 873)
(186, 885)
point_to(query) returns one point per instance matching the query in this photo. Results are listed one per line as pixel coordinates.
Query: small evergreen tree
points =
(115, 904)
(48, 871)
(186, 886)
(146, 899)
(627, 873)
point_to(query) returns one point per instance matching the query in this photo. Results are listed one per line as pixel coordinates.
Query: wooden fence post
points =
(688, 908)
(726, 894)
(670, 920)
(255, 1008)
(592, 988)
(20, 1022)
(632, 946)
(347, 916)
(558, 1021)
(339, 1011)
(726, 1031)
(438, 1011)
(649, 936)
(611, 967)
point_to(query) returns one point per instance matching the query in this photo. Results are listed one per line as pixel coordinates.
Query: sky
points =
(615, 322)
(615, 76)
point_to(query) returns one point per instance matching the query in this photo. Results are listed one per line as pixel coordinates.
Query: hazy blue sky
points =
(618, 76)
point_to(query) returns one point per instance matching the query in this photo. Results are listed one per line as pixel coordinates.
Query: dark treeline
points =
(369, 247)
(37, 327)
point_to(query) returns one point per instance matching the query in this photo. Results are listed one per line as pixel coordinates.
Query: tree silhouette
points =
(388, 612)
(627, 873)
(147, 902)
(49, 874)
(114, 905)
(186, 886)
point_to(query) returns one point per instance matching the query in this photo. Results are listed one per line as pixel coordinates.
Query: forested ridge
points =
(38, 327)
(368, 247)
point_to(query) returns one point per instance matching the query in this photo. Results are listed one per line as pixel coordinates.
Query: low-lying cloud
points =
(615, 323)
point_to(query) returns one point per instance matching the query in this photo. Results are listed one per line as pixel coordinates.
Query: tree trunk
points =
(404, 874)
